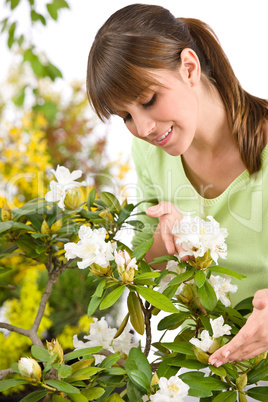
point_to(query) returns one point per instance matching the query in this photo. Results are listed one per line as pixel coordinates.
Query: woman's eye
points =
(151, 101)
(125, 119)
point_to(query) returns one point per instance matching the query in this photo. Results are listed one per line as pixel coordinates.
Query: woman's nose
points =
(145, 126)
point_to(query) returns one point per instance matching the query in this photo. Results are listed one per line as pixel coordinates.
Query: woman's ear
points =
(190, 67)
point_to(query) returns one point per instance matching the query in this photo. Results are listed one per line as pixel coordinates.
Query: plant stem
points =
(147, 320)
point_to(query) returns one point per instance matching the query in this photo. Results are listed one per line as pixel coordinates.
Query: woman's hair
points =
(139, 38)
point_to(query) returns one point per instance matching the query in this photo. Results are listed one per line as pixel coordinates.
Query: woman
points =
(204, 143)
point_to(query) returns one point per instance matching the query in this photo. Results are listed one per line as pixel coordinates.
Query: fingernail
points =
(218, 364)
(213, 361)
(227, 353)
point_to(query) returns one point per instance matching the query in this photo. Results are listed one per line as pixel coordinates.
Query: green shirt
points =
(242, 208)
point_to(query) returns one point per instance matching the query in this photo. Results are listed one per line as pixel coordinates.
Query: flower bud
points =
(125, 266)
(100, 271)
(29, 369)
(201, 356)
(45, 228)
(186, 294)
(155, 379)
(54, 347)
(241, 381)
(72, 199)
(6, 213)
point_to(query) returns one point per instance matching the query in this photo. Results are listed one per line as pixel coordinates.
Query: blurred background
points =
(45, 120)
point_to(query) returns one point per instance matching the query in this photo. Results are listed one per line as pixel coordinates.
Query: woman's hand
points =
(169, 216)
(252, 339)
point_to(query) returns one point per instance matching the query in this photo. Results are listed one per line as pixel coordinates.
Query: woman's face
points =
(166, 116)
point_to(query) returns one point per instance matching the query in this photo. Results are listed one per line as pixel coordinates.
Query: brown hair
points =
(141, 37)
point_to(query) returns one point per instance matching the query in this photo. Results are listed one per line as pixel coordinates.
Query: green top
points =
(242, 208)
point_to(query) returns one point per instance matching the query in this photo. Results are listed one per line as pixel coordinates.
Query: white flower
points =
(197, 236)
(91, 248)
(221, 286)
(102, 335)
(218, 327)
(65, 182)
(29, 369)
(173, 267)
(171, 390)
(124, 342)
(205, 342)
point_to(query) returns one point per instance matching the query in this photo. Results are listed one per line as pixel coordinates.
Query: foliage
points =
(191, 304)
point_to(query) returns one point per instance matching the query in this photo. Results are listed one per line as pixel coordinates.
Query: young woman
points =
(199, 146)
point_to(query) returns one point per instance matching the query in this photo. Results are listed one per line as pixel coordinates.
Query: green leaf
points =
(162, 259)
(52, 72)
(228, 396)
(82, 352)
(37, 17)
(40, 353)
(109, 361)
(215, 384)
(93, 305)
(53, 12)
(136, 224)
(200, 278)
(207, 296)
(6, 384)
(58, 398)
(135, 313)
(147, 275)
(136, 360)
(93, 393)
(112, 297)
(34, 396)
(157, 299)
(65, 371)
(180, 347)
(62, 386)
(14, 4)
(259, 393)
(191, 364)
(113, 398)
(18, 99)
(4, 226)
(11, 33)
(100, 288)
(125, 213)
(4, 270)
(258, 373)
(181, 278)
(91, 198)
(110, 201)
(226, 271)
(220, 371)
(172, 321)
(198, 389)
(140, 251)
(116, 371)
(140, 380)
(166, 368)
(133, 393)
(89, 371)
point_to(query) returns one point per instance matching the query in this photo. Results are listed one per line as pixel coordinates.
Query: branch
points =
(6, 372)
(147, 320)
(13, 328)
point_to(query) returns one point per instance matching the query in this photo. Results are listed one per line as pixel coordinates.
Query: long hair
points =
(139, 38)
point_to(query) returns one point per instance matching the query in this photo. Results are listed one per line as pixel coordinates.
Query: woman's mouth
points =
(165, 137)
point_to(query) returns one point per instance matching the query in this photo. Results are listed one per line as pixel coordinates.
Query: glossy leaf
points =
(200, 278)
(110, 201)
(93, 305)
(133, 393)
(228, 396)
(136, 360)
(93, 393)
(207, 296)
(135, 313)
(82, 352)
(180, 347)
(140, 251)
(6, 384)
(226, 271)
(258, 393)
(258, 373)
(172, 321)
(62, 386)
(112, 297)
(140, 380)
(157, 299)
(65, 371)
(91, 198)
(34, 396)
(109, 361)
(40, 353)
(122, 326)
